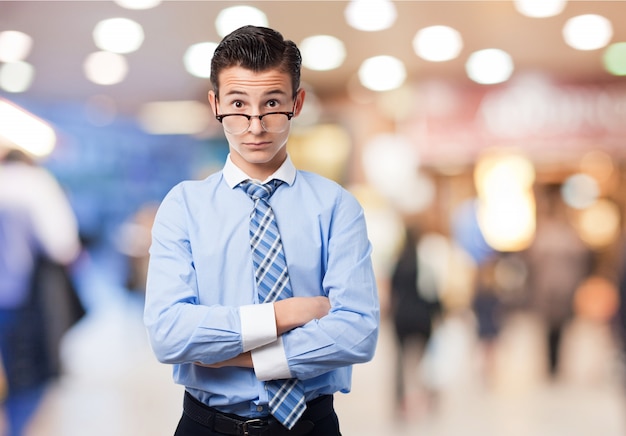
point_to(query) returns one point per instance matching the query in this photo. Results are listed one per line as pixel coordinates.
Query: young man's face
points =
(255, 151)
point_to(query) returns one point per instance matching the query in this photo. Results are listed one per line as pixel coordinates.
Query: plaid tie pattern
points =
(286, 397)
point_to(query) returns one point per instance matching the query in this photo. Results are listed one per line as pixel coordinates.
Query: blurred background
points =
(486, 141)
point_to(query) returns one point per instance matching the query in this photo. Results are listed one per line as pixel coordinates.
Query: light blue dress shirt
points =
(201, 301)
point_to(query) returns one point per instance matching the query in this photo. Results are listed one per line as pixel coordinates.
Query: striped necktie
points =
(286, 397)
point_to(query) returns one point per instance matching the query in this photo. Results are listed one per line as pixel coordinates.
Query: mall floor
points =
(113, 386)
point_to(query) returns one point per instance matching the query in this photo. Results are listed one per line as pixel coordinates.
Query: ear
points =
(212, 101)
(299, 101)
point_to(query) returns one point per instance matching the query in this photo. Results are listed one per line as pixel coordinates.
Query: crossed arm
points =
(290, 313)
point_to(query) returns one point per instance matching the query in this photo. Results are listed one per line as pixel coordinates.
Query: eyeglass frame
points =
(220, 117)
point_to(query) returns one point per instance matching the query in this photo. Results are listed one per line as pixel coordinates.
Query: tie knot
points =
(258, 190)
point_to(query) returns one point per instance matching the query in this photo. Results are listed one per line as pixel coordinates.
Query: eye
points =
(238, 104)
(273, 104)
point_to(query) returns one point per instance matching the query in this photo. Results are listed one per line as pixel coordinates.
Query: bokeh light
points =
(26, 131)
(322, 52)
(580, 191)
(382, 73)
(596, 299)
(506, 206)
(599, 224)
(587, 32)
(138, 4)
(614, 59)
(390, 163)
(323, 148)
(14, 46)
(105, 68)
(598, 164)
(197, 59)
(16, 76)
(540, 8)
(489, 66)
(118, 35)
(234, 17)
(370, 15)
(437, 43)
(174, 117)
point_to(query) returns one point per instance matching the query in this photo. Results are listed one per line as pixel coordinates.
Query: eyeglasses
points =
(272, 122)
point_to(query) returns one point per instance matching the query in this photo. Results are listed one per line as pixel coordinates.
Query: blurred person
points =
(133, 241)
(413, 312)
(619, 318)
(250, 363)
(489, 311)
(558, 262)
(36, 223)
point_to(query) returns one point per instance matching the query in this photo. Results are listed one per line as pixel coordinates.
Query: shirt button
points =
(259, 408)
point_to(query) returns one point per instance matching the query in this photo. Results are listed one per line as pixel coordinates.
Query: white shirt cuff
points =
(270, 361)
(258, 325)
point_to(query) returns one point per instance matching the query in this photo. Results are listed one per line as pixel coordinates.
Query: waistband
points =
(235, 425)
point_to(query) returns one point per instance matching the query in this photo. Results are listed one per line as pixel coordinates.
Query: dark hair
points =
(15, 155)
(257, 49)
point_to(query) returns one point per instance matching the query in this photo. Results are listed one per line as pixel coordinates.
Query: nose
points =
(256, 127)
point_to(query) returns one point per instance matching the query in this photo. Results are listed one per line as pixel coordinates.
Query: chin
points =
(258, 157)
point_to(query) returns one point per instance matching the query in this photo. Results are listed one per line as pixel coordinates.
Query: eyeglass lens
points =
(272, 123)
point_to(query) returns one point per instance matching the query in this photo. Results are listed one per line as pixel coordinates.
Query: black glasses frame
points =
(249, 117)
(220, 117)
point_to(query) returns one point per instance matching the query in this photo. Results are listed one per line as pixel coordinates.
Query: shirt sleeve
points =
(180, 327)
(349, 333)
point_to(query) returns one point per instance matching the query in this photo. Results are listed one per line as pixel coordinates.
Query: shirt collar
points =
(234, 175)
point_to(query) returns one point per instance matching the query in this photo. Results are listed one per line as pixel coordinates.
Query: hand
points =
(297, 311)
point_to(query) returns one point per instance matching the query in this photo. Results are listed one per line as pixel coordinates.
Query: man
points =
(558, 262)
(260, 364)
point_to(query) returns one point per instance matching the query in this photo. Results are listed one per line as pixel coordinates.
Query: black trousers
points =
(325, 426)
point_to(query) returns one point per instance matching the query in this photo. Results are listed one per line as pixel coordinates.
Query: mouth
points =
(259, 144)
